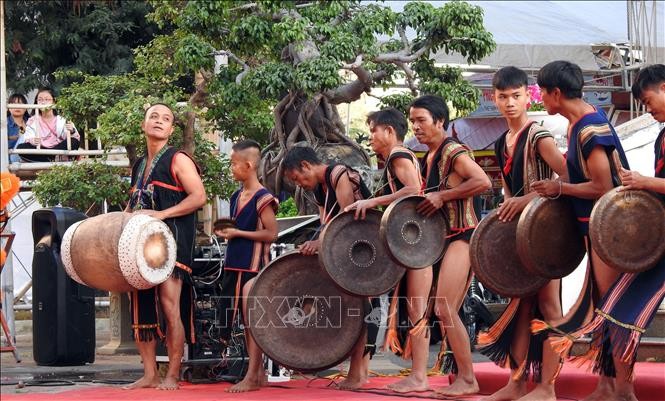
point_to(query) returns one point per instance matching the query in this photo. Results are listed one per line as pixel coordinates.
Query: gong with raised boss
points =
(414, 240)
(300, 318)
(356, 258)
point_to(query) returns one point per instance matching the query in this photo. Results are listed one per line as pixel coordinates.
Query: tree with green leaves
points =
(288, 65)
(93, 37)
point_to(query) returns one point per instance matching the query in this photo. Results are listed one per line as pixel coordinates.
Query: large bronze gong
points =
(414, 240)
(627, 230)
(549, 242)
(355, 257)
(300, 318)
(495, 261)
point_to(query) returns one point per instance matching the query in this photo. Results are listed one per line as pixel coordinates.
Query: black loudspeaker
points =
(63, 311)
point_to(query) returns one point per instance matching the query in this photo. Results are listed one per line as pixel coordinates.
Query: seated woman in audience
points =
(16, 123)
(47, 130)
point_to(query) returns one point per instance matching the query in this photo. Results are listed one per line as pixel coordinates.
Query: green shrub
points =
(82, 186)
(287, 208)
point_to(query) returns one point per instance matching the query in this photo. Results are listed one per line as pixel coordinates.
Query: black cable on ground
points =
(112, 381)
(47, 383)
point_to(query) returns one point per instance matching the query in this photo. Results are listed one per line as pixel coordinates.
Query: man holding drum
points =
(452, 178)
(165, 185)
(401, 177)
(526, 152)
(594, 160)
(335, 187)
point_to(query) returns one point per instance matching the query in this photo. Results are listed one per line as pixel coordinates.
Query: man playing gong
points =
(526, 153)
(401, 177)
(335, 187)
(452, 178)
(594, 160)
(165, 185)
(632, 301)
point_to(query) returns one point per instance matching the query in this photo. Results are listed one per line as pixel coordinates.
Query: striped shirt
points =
(591, 131)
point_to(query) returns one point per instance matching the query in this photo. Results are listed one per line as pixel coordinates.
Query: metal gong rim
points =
(627, 230)
(412, 239)
(549, 241)
(298, 316)
(495, 261)
(355, 257)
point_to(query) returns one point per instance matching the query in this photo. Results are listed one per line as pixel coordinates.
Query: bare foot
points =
(169, 383)
(144, 382)
(408, 385)
(624, 396)
(540, 393)
(511, 391)
(604, 390)
(459, 387)
(352, 383)
(247, 384)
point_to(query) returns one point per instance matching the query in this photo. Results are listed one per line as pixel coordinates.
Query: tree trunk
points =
(188, 133)
(131, 154)
(197, 99)
(314, 122)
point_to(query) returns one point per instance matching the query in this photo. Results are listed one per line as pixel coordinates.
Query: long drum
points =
(495, 261)
(298, 316)
(549, 242)
(355, 257)
(627, 230)
(413, 240)
(119, 252)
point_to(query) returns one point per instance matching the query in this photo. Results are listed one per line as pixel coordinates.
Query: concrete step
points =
(102, 325)
(652, 349)
(652, 345)
(655, 329)
(657, 326)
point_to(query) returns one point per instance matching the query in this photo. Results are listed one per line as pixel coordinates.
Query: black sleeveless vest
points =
(168, 192)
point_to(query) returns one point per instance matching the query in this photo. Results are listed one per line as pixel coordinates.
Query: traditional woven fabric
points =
(519, 171)
(158, 189)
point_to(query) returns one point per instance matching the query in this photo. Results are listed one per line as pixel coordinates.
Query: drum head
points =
(495, 262)
(300, 318)
(549, 242)
(627, 230)
(355, 257)
(146, 251)
(413, 240)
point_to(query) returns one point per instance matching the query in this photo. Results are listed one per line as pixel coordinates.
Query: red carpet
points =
(573, 384)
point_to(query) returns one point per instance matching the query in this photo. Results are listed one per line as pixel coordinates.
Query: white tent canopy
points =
(529, 34)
